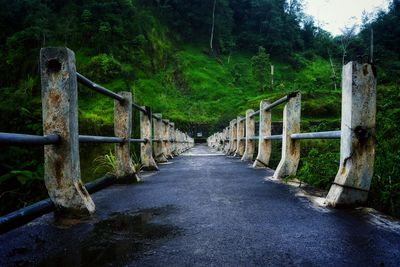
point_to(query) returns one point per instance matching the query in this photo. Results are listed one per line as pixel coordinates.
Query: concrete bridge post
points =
(215, 141)
(290, 148)
(264, 146)
(227, 139)
(357, 143)
(62, 174)
(233, 137)
(167, 142)
(184, 144)
(146, 149)
(230, 144)
(179, 142)
(250, 133)
(123, 129)
(240, 134)
(159, 136)
(173, 140)
(242, 143)
(222, 138)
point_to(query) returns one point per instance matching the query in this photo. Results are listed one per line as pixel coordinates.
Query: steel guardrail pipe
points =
(27, 139)
(100, 139)
(277, 103)
(98, 88)
(317, 135)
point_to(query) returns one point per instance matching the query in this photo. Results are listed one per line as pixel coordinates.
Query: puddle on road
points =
(118, 240)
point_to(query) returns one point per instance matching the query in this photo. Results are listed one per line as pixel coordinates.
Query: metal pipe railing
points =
(100, 139)
(27, 139)
(102, 90)
(273, 137)
(16, 139)
(98, 88)
(317, 135)
(136, 106)
(276, 103)
(138, 140)
(160, 119)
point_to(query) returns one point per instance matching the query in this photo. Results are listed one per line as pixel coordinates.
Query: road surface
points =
(205, 209)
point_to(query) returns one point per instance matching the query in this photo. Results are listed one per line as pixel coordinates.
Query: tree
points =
(348, 34)
(260, 64)
(212, 28)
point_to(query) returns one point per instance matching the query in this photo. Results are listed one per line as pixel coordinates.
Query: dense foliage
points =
(163, 52)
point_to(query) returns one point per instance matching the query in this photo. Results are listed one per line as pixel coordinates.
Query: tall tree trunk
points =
(372, 46)
(333, 70)
(212, 28)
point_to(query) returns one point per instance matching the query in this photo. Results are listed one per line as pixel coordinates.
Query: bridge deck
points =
(205, 210)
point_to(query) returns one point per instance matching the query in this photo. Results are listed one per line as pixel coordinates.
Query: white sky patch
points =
(334, 15)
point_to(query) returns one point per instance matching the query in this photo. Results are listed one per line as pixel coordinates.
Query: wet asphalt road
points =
(205, 210)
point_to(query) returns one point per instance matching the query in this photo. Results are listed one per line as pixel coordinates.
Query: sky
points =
(334, 15)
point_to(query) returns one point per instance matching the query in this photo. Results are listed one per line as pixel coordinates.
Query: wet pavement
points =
(205, 209)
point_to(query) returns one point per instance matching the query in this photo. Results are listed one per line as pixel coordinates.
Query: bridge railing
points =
(158, 137)
(357, 136)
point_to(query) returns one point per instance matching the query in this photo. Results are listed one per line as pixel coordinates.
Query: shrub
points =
(103, 68)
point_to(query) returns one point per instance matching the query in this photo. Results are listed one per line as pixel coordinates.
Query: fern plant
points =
(105, 164)
(136, 163)
(108, 164)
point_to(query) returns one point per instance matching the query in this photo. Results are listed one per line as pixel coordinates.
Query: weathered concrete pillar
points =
(226, 141)
(240, 134)
(230, 143)
(264, 146)
(221, 140)
(181, 144)
(233, 137)
(250, 133)
(62, 174)
(167, 142)
(357, 143)
(178, 141)
(290, 148)
(174, 151)
(146, 149)
(159, 136)
(123, 129)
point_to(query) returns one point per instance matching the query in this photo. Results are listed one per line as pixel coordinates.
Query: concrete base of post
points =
(158, 126)
(161, 158)
(62, 173)
(264, 146)
(357, 143)
(125, 171)
(290, 148)
(340, 196)
(146, 149)
(232, 137)
(240, 134)
(250, 125)
(166, 144)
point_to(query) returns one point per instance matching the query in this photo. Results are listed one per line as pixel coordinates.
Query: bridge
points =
(198, 205)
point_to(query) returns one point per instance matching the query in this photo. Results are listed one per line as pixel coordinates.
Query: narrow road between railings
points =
(205, 209)
(159, 141)
(357, 136)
